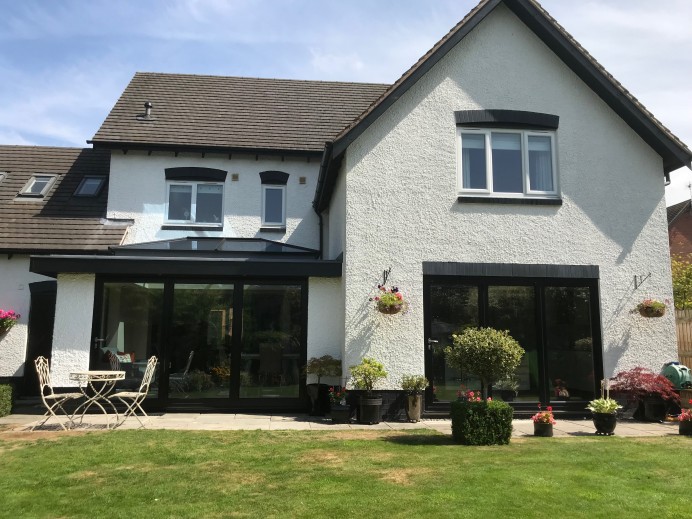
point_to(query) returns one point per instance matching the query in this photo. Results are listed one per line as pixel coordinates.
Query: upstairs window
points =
(274, 198)
(38, 186)
(507, 163)
(2, 176)
(273, 205)
(90, 186)
(195, 203)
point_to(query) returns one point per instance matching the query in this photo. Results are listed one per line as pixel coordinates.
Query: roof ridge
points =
(37, 146)
(257, 78)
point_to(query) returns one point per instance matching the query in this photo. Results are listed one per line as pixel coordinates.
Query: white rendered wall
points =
(137, 191)
(15, 295)
(325, 322)
(402, 209)
(72, 332)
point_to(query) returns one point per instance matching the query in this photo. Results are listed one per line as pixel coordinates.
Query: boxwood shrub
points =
(5, 399)
(481, 423)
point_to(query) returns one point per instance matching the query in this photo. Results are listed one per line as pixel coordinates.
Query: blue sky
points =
(64, 63)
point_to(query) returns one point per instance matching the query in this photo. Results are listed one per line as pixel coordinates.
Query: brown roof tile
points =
(59, 221)
(235, 112)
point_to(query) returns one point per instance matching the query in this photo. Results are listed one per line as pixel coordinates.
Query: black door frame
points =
(539, 284)
(233, 402)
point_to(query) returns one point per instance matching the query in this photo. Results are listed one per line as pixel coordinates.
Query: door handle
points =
(431, 342)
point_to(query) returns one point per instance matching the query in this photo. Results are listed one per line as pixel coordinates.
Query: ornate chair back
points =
(43, 372)
(114, 361)
(148, 375)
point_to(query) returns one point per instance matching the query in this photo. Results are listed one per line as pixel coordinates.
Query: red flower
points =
(549, 408)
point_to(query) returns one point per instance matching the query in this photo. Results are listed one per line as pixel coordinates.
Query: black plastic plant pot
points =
(542, 429)
(507, 395)
(685, 428)
(605, 423)
(370, 410)
(340, 413)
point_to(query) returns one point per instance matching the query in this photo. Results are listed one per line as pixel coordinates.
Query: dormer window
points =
(38, 186)
(2, 176)
(90, 186)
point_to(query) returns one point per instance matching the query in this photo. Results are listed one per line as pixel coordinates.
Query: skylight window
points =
(90, 186)
(38, 186)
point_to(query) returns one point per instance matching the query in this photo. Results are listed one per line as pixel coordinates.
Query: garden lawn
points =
(335, 474)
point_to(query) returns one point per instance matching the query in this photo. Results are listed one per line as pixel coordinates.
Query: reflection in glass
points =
(507, 163)
(130, 331)
(513, 308)
(453, 308)
(569, 351)
(272, 331)
(200, 346)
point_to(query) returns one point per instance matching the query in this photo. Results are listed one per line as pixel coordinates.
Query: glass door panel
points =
(200, 341)
(513, 308)
(130, 330)
(271, 341)
(569, 344)
(453, 308)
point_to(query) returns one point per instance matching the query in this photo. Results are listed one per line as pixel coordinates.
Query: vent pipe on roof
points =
(146, 116)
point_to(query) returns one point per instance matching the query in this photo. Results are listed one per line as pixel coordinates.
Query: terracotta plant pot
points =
(543, 429)
(605, 423)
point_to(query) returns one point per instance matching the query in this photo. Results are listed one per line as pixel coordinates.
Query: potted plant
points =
(340, 411)
(7, 320)
(485, 352)
(652, 308)
(650, 391)
(414, 385)
(543, 422)
(389, 301)
(324, 366)
(604, 411)
(685, 421)
(365, 375)
(507, 387)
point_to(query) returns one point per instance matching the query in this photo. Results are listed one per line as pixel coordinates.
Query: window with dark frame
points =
(90, 186)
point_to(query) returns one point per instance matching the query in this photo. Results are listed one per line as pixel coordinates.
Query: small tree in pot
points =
(651, 391)
(365, 375)
(414, 385)
(489, 354)
(325, 366)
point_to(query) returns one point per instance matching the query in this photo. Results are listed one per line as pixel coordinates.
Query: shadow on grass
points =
(419, 439)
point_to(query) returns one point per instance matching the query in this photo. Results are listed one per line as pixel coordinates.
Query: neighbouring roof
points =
(59, 221)
(233, 113)
(676, 210)
(673, 151)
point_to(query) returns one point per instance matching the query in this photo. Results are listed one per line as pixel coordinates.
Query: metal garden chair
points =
(133, 399)
(51, 400)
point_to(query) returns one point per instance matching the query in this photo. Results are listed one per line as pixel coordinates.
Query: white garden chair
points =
(51, 400)
(133, 399)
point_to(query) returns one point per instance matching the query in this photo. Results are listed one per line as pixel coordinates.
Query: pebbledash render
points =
(505, 180)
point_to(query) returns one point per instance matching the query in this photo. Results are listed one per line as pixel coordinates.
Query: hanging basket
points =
(649, 311)
(389, 309)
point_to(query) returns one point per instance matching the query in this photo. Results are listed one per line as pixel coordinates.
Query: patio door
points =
(555, 321)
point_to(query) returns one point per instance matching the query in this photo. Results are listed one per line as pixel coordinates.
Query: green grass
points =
(339, 474)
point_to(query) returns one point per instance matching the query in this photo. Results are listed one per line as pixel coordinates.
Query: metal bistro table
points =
(95, 386)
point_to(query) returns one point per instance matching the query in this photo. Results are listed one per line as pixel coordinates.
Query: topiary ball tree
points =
(489, 354)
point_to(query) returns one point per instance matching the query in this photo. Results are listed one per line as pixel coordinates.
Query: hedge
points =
(481, 423)
(5, 399)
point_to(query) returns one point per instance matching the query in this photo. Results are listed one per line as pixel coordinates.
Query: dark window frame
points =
(84, 180)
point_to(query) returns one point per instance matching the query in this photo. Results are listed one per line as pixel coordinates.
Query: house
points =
(680, 230)
(505, 180)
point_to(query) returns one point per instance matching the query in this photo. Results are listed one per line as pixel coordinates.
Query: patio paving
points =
(301, 422)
